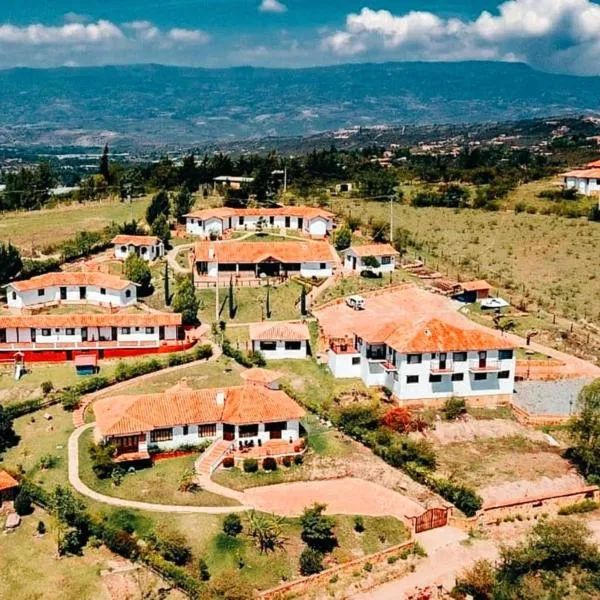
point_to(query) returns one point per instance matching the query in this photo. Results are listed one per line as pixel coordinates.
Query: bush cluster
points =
(248, 360)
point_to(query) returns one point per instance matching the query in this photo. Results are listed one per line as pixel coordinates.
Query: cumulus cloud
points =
(272, 6)
(188, 36)
(551, 34)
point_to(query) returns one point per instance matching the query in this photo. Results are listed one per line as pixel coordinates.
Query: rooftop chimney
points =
(220, 398)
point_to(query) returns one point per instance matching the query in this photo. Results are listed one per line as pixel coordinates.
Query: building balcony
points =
(484, 366)
(440, 367)
(89, 345)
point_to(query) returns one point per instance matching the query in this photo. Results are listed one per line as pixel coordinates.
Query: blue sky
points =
(556, 35)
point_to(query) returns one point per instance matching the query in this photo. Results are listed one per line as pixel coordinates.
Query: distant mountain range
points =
(145, 106)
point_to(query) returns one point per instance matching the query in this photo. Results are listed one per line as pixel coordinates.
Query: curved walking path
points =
(75, 481)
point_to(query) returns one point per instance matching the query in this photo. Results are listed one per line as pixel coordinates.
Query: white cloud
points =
(553, 34)
(71, 33)
(272, 6)
(188, 36)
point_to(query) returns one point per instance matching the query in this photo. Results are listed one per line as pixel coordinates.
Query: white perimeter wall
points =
(280, 352)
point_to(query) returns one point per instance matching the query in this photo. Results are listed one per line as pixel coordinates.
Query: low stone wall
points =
(485, 401)
(303, 586)
(539, 370)
(529, 420)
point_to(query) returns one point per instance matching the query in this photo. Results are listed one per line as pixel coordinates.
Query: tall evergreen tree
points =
(160, 228)
(10, 262)
(8, 437)
(182, 204)
(167, 291)
(231, 298)
(185, 301)
(303, 301)
(159, 205)
(268, 301)
(104, 164)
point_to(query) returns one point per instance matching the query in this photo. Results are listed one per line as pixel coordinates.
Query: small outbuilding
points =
(377, 258)
(8, 487)
(475, 291)
(86, 364)
(280, 340)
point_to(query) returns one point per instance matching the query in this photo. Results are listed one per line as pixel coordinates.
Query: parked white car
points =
(355, 302)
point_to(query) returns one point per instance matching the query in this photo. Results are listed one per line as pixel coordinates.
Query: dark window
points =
(287, 222)
(149, 329)
(356, 360)
(480, 376)
(412, 379)
(458, 376)
(279, 426)
(293, 345)
(144, 250)
(41, 292)
(126, 330)
(14, 295)
(103, 291)
(459, 356)
(268, 345)
(123, 248)
(414, 359)
(241, 220)
(128, 294)
(504, 375)
(323, 266)
(505, 354)
(69, 331)
(271, 220)
(435, 379)
(186, 429)
(386, 260)
(247, 431)
(161, 435)
(207, 430)
(46, 332)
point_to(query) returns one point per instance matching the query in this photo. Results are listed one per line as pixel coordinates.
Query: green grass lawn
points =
(251, 303)
(29, 569)
(158, 483)
(36, 229)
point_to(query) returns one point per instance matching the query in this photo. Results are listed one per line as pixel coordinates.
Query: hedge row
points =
(123, 543)
(252, 359)
(69, 396)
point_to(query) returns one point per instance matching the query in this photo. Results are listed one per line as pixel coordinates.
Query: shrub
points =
(70, 399)
(357, 420)
(478, 581)
(101, 456)
(298, 459)
(269, 464)
(47, 387)
(203, 571)
(368, 567)
(454, 408)
(317, 528)
(286, 461)
(203, 352)
(48, 461)
(70, 543)
(584, 506)
(41, 528)
(232, 525)
(23, 503)
(311, 562)
(359, 524)
(228, 462)
(173, 547)
(405, 451)
(250, 465)
(230, 586)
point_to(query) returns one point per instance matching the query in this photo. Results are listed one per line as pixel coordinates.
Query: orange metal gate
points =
(430, 519)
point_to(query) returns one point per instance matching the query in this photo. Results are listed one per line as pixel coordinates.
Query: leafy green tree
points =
(203, 571)
(371, 262)
(173, 546)
(343, 238)
(260, 225)
(189, 174)
(23, 503)
(182, 204)
(232, 525)
(267, 530)
(585, 430)
(137, 270)
(317, 528)
(102, 456)
(104, 165)
(160, 228)
(10, 262)
(8, 437)
(311, 562)
(159, 205)
(185, 301)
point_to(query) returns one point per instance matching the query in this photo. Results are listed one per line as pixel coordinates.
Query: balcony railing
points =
(484, 366)
(90, 345)
(444, 366)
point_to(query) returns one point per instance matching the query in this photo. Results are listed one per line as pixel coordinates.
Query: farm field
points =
(550, 261)
(36, 229)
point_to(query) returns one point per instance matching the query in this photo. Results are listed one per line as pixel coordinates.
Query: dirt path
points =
(172, 258)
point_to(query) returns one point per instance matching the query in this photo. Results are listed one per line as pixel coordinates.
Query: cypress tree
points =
(303, 301)
(231, 299)
(167, 291)
(104, 166)
(268, 302)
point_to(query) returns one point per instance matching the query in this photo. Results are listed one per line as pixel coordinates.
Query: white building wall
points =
(348, 264)
(280, 351)
(51, 294)
(584, 185)
(148, 253)
(317, 226)
(341, 365)
(315, 269)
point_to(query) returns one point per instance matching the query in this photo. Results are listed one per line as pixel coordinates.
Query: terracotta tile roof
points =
(594, 164)
(279, 331)
(475, 286)
(435, 335)
(256, 252)
(91, 320)
(583, 173)
(135, 240)
(86, 360)
(373, 250)
(376, 334)
(76, 278)
(125, 415)
(305, 212)
(7, 481)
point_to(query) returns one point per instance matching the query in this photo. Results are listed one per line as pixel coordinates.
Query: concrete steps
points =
(210, 456)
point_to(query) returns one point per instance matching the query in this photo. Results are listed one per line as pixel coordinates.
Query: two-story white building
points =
(184, 416)
(148, 247)
(79, 287)
(220, 261)
(425, 362)
(213, 222)
(382, 254)
(52, 338)
(280, 340)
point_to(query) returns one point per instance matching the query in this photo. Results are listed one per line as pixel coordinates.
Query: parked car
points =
(355, 302)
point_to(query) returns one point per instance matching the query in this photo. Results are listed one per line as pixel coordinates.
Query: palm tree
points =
(267, 530)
